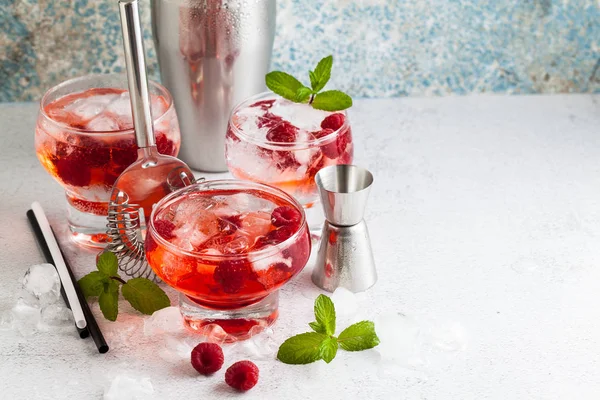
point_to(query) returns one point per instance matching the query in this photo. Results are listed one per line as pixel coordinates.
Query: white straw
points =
(60, 265)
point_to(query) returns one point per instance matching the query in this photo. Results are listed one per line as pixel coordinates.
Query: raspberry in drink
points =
(281, 143)
(227, 245)
(84, 138)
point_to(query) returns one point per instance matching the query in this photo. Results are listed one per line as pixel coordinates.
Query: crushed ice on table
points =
(38, 306)
(417, 343)
(167, 320)
(262, 344)
(25, 318)
(177, 347)
(55, 317)
(129, 387)
(41, 285)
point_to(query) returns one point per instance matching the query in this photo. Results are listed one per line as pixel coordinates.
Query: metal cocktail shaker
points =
(212, 55)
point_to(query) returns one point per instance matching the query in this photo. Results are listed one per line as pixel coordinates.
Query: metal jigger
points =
(345, 257)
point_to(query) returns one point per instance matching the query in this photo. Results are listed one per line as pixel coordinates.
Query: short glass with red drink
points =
(227, 246)
(84, 138)
(275, 141)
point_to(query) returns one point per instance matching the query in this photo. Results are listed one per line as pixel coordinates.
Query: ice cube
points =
(6, 320)
(244, 202)
(43, 283)
(262, 262)
(262, 344)
(168, 319)
(159, 106)
(177, 348)
(401, 341)
(102, 123)
(120, 106)
(25, 318)
(256, 224)
(55, 316)
(301, 115)
(88, 107)
(129, 387)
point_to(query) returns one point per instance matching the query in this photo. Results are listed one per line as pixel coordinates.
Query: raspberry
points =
(285, 215)
(73, 172)
(275, 275)
(269, 120)
(316, 163)
(164, 228)
(232, 275)
(242, 375)
(264, 104)
(277, 236)
(282, 133)
(333, 121)
(165, 145)
(285, 160)
(92, 152)
(124, 153)
(335, 148)
(207, 358)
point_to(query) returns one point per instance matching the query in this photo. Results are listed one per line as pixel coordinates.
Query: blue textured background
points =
(381, 47)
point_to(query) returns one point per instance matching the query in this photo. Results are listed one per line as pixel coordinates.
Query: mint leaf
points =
(93, 283)
(328, 349)
(283, 84)
(145, 295)
(302, 94)
(109, 300)
(332, 100)
(317, 327)
(107, 263)
(301, 349)
(359, 336)
(322, 73)
(314, 81)
(325, 314)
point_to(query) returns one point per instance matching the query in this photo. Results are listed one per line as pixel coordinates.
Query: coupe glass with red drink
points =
(84, 138)
(227, 246)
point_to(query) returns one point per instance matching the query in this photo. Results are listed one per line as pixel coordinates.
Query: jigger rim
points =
(329, 170)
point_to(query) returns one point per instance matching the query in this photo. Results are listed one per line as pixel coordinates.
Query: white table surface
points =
(485, 223)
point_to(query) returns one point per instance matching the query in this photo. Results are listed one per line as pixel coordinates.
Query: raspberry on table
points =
(207, 358)
(243, 375)
(333, 121)
(285, 215)
(164, 228)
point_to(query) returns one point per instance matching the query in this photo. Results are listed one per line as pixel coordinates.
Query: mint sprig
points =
(143, 294)
(321, 344)
(292, 89)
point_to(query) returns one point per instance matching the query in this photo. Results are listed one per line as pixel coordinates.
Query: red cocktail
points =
(84, 138)
(284, 144)
(227, 246)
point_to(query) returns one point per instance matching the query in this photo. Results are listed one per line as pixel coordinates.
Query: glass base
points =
(87, 229)
(233, 324)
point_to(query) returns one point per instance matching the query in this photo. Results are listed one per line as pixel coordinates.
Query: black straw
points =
(92, 326)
